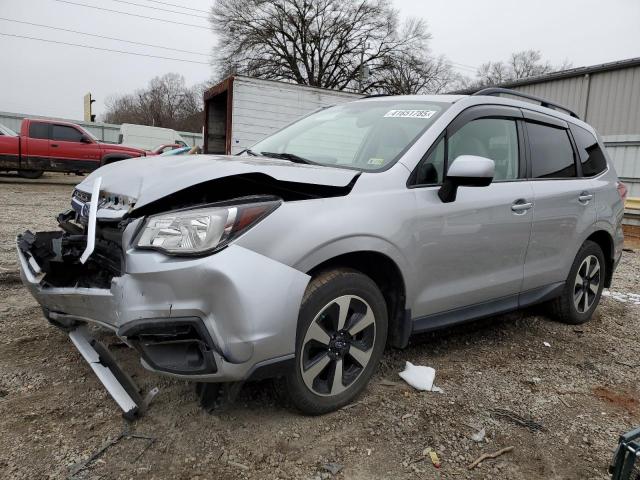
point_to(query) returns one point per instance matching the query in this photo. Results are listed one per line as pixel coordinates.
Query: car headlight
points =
(201, 230)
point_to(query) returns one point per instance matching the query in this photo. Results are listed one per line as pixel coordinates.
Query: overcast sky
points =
(51, 79)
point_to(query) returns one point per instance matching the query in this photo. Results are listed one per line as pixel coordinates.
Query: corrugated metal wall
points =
(624, 151)
(260, 107)
(610, 102)
(611, 99)
(570, 92)
(614, 102)
(106, 132)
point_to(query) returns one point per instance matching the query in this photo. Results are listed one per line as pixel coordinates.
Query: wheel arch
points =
(605, 241)
(388, 276)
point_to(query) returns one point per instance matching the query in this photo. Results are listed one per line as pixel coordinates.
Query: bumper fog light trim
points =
(179, 345)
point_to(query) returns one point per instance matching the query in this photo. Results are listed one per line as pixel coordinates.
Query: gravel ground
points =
(561, 407)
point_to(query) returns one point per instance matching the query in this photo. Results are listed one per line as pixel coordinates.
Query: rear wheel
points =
(583, 288)
(342, 331)
(30, 173)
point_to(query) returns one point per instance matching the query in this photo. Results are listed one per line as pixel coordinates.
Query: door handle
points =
(54, 145)
(521, 206)
(585, 197)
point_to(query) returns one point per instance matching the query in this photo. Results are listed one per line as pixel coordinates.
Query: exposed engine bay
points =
(58, 253)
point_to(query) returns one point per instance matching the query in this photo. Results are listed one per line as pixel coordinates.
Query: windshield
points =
(7, 131)
(368, 135)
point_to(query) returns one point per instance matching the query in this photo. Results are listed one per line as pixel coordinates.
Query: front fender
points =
(356, 244)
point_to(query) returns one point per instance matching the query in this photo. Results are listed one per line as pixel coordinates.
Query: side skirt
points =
(478, 311)
(52, 164)
(9, 162)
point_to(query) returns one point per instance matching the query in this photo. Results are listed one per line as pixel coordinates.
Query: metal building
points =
(606, 96)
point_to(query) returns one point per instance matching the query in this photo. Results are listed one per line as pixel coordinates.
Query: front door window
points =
(493, 138)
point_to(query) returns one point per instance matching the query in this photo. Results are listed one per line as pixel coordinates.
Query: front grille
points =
(108, 247)
(58, 255)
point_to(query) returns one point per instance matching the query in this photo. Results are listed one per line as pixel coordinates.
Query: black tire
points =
(362, 299)
(564, 307)
(32, 174)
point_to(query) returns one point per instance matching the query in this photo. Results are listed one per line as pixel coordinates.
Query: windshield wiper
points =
(292, 157)
(248, 151)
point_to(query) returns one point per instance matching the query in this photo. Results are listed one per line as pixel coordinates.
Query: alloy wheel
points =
(338, 345)
(587, 284)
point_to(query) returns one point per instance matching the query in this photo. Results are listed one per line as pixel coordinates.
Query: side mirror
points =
(86, 139)
(466, 171)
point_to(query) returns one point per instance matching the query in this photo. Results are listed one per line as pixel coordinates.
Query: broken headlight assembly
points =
(202, 230)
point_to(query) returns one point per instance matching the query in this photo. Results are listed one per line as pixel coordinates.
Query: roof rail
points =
(495, 91)
(374, 95)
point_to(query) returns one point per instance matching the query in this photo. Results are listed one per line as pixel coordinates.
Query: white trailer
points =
(240, 111)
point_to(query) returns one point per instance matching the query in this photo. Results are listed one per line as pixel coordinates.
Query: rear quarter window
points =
(551, 152)
(591, 155)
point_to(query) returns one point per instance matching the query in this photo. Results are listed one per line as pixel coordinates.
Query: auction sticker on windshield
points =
(410, 113)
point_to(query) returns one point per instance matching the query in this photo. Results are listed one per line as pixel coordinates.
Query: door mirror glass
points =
(466, 171)
(85, 139)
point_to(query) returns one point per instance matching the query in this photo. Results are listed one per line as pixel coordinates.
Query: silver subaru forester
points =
(347, 231)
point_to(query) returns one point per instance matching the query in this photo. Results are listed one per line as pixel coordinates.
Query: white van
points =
(148, 138)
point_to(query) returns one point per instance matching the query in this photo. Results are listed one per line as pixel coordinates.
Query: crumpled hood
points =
(147, 179)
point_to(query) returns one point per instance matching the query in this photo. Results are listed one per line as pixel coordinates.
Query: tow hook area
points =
(120, 386)
(217, 397)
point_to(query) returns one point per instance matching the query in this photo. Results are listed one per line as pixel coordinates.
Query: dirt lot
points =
(577, 394)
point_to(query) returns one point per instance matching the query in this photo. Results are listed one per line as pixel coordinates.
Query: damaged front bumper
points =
(218, 318)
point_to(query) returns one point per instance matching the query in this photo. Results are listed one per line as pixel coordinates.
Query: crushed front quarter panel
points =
(248, 302)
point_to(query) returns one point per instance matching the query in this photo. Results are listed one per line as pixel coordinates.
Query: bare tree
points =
(491, 73)
(524, 64)
(412, 69)
(409, 74)
(166, 102)
(322, 43)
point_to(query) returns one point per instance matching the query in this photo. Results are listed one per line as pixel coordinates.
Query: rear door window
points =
(39, 130)
(551, 152)
(65, 133)
(591, 155)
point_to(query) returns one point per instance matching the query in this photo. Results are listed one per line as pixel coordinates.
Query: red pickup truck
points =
(50, 145)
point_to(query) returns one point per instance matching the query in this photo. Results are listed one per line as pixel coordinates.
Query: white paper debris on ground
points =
(622, 297)
(479, 436)
(546, 344)
(420, 377)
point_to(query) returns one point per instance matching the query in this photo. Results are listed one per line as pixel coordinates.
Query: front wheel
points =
(342, 331)
(583, 288)
(31, 174)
